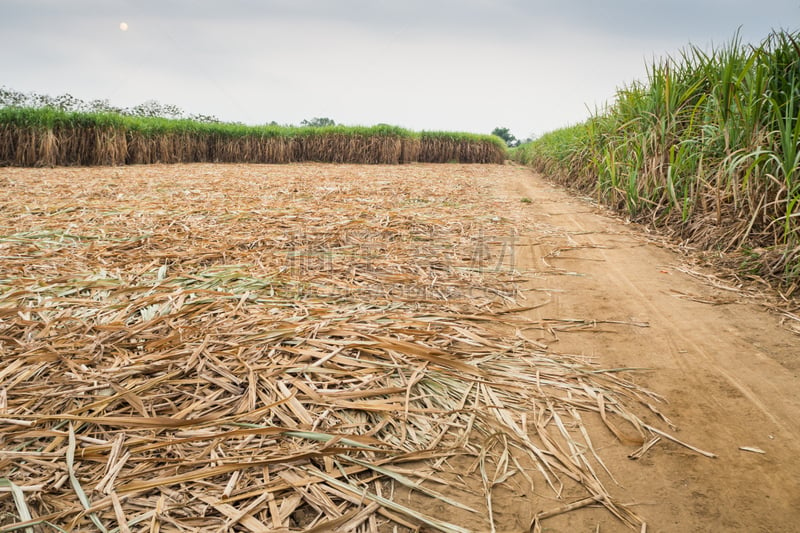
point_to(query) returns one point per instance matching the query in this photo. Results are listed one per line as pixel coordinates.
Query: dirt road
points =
(730, 372)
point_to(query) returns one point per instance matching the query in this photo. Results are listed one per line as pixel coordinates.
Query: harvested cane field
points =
(362, 348)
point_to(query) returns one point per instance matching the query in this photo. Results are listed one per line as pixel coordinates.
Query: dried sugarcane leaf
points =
(211, 329)
(436, 524)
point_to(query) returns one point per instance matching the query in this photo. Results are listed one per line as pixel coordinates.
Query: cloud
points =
(531, 65)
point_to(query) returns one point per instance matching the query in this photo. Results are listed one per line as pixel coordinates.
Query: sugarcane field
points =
(317, 347)
(266, 267)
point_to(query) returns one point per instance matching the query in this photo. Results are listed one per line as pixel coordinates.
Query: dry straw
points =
(208, 348)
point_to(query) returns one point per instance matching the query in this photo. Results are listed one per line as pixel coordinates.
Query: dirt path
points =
(728, 370)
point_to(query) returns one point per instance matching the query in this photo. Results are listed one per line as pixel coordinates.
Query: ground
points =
(729, 369)
(592, 288)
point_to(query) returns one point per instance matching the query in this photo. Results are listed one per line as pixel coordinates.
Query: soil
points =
(728, 368)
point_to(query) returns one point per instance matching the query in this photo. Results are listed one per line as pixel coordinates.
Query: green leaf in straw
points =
(73, 479)
(19, 501)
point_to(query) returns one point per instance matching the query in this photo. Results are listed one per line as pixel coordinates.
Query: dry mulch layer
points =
(284, 348)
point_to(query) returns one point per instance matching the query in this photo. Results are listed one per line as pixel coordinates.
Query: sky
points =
(459, 65)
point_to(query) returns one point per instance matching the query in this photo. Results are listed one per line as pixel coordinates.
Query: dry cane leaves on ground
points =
(279, 348)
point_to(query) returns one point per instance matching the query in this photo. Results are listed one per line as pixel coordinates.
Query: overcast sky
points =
(465, 65)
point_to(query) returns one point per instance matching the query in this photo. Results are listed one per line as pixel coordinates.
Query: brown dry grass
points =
(274, 347)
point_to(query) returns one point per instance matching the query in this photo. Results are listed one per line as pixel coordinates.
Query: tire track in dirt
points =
(729, 372)
(684, 329)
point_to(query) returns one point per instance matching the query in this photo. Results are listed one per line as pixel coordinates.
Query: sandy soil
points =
(728, 369)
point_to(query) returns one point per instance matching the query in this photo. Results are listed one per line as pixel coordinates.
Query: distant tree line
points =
(67, 102)
(318, 122)
(150, 108)
(510, 140)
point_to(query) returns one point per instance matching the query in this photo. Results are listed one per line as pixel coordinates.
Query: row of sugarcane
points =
(48, 137)
(708, 147)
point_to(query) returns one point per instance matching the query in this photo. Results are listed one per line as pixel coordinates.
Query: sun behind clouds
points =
(123, 26)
